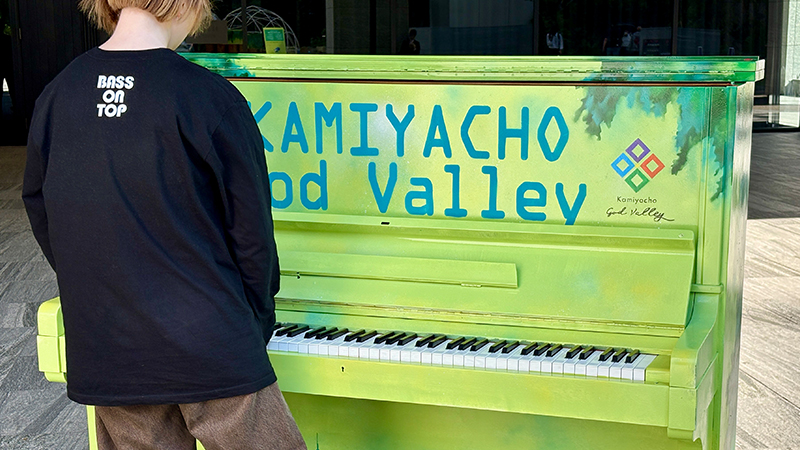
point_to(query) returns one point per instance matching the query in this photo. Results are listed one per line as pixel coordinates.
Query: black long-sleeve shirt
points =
(146, 186)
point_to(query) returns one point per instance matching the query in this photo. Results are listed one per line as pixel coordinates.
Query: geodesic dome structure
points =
(258, 18)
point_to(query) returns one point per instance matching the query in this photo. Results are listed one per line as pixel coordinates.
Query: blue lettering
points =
(570, 212)
(321, 180)
(456, 210)
(523, 202)
(425, 195)
(382, 198)
(400, 127)
(287, 187)
(549, 115)
(363, 149)
(259, 115)
(522, 133)
(437, 125)
(293, 132)
(471, 113)
(329, 116)
(492, 212)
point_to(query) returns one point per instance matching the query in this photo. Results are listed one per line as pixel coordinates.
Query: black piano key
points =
(286, 329)
(541, 349)
(529, 348)
(297, 331)
(479, 345)
(511, 346)
(574, 351)
(455, 342)
(352, 336)
(338, 334)
(619, 355)
(326, 333)
(394, 338)
(552, 351)
(607, 354)
(465, 344)
(382, 338)
(586, 353)
(424, 341)
(408, 338)
(437, 341)
(632, 356)
(497, 346)
(366, 336)
(277, 326)
(313, 333)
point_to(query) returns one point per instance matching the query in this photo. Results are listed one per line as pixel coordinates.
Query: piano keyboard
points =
(462, 351)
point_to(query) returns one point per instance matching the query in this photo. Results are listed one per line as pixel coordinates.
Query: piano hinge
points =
(470, 285)
(707, 288)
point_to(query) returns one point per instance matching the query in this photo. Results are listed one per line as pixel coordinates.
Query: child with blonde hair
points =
(146, 187)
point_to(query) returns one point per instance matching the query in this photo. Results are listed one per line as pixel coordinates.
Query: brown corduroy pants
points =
(260, 420)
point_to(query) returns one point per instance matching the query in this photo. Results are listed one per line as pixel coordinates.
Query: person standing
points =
(410, 45)
(146, 187)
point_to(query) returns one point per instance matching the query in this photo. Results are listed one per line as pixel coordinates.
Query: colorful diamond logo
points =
(637, 165)
(637, 180)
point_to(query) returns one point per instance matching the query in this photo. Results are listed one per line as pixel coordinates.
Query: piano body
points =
(539, 253)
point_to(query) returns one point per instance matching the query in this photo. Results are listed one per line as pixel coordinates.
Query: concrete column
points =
(778, 16)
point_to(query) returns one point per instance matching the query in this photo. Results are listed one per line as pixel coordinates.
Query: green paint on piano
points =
(575, 201)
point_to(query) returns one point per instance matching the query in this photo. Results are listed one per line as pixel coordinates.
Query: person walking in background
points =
(555, 43)
(146, 187)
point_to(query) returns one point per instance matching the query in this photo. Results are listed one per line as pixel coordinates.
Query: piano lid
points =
(569, 69)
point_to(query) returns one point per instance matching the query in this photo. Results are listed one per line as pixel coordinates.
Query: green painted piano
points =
(493, 252)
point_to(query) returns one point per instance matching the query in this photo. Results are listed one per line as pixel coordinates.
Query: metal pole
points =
(536, 20)
(242, 17)
(676, 14)
(373, 27)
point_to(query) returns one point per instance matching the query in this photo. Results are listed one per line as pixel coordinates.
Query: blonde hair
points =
(105, 13)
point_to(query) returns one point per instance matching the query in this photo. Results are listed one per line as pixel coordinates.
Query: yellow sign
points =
(275, 40)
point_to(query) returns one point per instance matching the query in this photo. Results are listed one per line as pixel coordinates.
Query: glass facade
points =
(765, 28)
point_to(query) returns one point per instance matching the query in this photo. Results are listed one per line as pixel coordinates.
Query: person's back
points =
(136, 198)
(147, 189)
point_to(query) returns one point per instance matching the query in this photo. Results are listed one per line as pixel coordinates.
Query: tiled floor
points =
(35, 414)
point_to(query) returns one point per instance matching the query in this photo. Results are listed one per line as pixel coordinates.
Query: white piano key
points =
(535, 362)
(512, 359)
(558, 360)
(448, 356)
(437, 357)
(385, 352)
(313, 346)
(615, 371)
(582, 364)
(406, 350)
(603, 368)
(293, 344)
(364, 348)
(375, 351)
(481, 357)
(415, 354)
(588, 367)
(642, 362)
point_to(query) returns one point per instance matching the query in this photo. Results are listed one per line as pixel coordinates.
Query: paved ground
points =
(35, 414)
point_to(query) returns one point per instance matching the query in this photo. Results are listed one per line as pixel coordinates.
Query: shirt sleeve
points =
(33, 181)
(238, 159)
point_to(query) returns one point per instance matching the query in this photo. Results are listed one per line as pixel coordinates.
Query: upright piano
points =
(502, 252)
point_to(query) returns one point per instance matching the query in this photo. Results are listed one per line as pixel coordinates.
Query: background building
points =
(45, 35)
